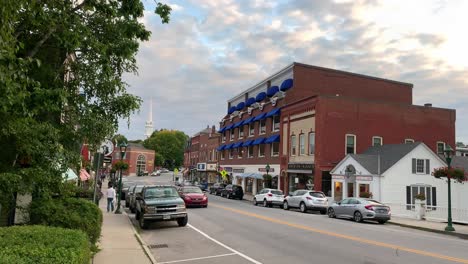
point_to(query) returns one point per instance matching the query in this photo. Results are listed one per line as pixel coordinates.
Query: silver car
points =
(306, 200)
(360, 209)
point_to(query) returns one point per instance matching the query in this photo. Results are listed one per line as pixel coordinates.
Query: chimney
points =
(428, 105)
(213, 129)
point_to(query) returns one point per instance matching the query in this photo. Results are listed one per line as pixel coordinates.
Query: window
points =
(261, 150)
(275, 123)
(224, 136)
(240, 152)
(377, 141)
(440, 148)
(311, 143)
(231, 153)
(232, 134)
(141, 164)
(293, 145)
(241, 132)
(409, 140)
(251, 129)
(251, 152)
(301, 144)
(350, 144)
(421, 166)
(274, 149)
(262, 126)
(428, 191)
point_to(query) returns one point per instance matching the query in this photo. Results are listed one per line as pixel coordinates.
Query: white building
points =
(394, 174)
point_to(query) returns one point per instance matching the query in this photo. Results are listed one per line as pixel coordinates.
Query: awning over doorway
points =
(251, 175)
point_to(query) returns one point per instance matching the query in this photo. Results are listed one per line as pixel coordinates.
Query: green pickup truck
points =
(160, 203)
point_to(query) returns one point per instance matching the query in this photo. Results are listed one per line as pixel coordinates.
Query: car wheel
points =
(254, 202)
(265, 203)
(323, 212)
(182, 221)
(331, 213)
(382, 222)
(285, 206)
(357, 216)
(142, 222)
(303, 207)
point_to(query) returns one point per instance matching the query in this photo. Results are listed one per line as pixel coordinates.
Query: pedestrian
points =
(110, 198)
(103, 177)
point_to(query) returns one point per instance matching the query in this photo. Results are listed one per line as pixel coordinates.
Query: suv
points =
(269, 197)
(160, 203)
(217, 188)
(233, 191)
(306, 200)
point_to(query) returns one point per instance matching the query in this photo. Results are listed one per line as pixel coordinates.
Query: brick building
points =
(139, 158)
(321, 115)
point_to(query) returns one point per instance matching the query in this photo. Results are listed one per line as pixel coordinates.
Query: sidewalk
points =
(461, 230)
(119, 242)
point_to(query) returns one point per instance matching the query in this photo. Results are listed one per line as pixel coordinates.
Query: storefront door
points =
(338, 191)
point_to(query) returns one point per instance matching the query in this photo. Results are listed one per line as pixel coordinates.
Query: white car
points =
(269, 197)
(156, 173)
(306, 200)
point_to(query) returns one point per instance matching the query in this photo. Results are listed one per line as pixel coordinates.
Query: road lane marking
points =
(225, 246)
(348, 237)
(192, 259)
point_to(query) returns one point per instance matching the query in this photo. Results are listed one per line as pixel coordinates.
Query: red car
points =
(193, 196)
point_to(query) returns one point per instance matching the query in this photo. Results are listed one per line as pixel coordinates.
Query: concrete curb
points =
(443, 232)
(142, 243)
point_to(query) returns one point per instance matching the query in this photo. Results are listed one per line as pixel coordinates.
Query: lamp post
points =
(123, 149)
(448, 153)
(267, 168)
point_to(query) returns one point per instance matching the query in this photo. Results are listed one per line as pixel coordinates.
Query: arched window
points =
(141, 164)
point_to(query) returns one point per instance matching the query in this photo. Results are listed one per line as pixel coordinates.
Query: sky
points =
(214, 49)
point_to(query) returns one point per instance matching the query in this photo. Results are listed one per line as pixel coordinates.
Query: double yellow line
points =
(333, 234)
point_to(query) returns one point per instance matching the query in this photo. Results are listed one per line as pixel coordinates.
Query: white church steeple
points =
(149, 124)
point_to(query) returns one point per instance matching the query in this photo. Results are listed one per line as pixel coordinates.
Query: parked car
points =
(360, 209)
(193, 196)
(164, 170)
(156, 173)
(217, 188)
(125, 187)
(233, 191)
(160, 203)
(136, 190)
(269, 197)
(306, 200)
(129, 195)
(203, 186)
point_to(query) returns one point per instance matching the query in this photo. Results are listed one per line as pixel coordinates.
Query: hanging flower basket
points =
(120, 165)
(457, 174)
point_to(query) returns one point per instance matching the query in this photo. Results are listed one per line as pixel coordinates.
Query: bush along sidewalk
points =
(43, 245)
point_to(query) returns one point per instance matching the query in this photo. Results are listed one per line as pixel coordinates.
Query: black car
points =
(233, 191)
(217, 188)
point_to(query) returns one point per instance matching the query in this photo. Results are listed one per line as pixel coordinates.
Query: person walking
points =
(110, 198)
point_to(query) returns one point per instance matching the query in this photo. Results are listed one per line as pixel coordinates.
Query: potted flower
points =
(420, 197)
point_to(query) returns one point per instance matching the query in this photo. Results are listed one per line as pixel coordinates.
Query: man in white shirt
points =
(110, 198)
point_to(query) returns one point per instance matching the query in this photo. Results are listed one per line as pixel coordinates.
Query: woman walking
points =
(110, 198)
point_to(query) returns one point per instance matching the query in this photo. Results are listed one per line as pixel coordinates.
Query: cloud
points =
(213, 50)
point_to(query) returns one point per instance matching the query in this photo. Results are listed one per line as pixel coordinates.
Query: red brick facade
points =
(135, 151)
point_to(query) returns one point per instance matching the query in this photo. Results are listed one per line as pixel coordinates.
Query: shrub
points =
(43, 245)
(71, 213)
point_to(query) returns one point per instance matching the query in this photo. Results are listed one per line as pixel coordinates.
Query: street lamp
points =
(267, 168)
(448, 153)
(123, 149)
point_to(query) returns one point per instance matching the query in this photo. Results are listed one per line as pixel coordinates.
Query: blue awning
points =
(272, 91)
(221, 130)
(286, 85)
(247, 143)
(273, 112)
(228, 127)
(248, 120)
(229, 146)
(237, 144)
(251, 175)
(237, 124)
(232, 109)
(250, 101)
(260, 97)
(259, 141)
(221, 147)
(274, 138)
(259, 117)
(240, 106)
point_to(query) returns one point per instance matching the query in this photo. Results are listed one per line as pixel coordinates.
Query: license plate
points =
(165, 217)
(381, 211)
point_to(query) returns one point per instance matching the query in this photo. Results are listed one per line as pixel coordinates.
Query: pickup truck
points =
(160, 203)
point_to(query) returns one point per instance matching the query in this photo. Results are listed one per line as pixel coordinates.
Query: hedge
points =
(71, 213)
(43, 245)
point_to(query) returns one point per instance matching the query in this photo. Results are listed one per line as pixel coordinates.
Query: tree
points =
(117, 139)
(61, 67)
(460, 144)
(169, 146)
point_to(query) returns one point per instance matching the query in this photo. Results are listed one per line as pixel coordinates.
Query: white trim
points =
(346, 143)
(299, 141)
(408, 140)
(381, 140)
(437, 146)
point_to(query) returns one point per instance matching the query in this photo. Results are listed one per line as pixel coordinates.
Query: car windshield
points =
(317, 194)
(161, 192)
(192, 190)
(277, 192)
(138, 189)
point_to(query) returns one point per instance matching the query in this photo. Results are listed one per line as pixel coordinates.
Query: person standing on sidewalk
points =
(110, 198)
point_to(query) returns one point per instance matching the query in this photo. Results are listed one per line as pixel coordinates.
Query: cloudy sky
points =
(213, 49)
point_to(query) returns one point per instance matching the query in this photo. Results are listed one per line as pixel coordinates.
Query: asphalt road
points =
(233, 231)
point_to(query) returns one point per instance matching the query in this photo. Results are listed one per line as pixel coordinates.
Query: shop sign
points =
(237, 170)
(211, 166)
(201, 166)
(264, 170)
(300, 166)
(337, 177)
(228, 169)
(363, 178)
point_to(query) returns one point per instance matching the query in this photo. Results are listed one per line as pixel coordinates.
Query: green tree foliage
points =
(117, 139)
(169, 146)
(61, 67)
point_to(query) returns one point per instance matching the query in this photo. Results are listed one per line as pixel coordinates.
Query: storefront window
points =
(248, 185)
(338, 191)
(350, 189)
(259, 185)
(363, 188)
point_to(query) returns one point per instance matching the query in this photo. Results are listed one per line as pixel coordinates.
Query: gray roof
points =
(460, 162)
(389, 155)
